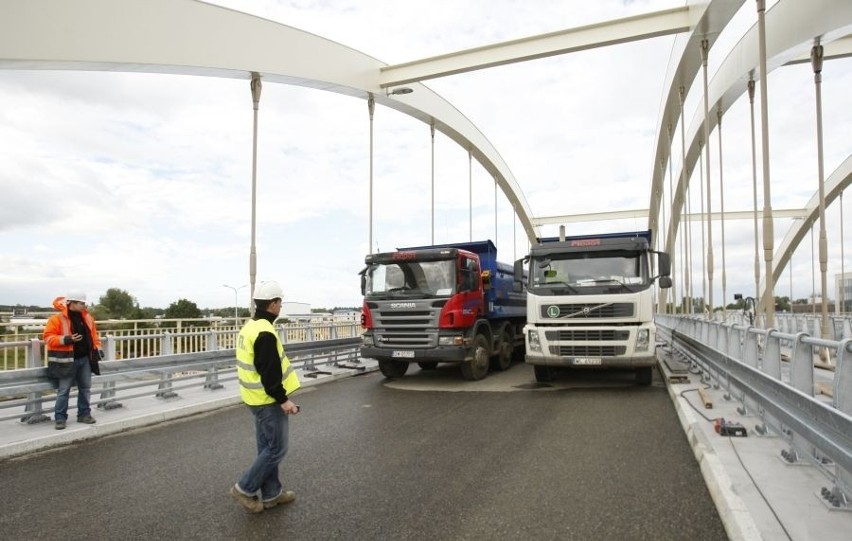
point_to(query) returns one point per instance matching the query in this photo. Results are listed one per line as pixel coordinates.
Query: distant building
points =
(811, 307)
(295, 309)
(843, 291)
(346, 314)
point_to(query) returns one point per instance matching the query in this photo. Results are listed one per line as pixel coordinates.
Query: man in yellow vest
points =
(266, 382)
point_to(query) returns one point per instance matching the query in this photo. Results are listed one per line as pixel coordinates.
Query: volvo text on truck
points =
(451, 303)
(590, 303)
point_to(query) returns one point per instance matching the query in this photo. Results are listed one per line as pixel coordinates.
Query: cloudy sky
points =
(142, 182)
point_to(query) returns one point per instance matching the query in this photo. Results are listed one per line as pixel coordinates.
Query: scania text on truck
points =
(450, 303)
(590, 303)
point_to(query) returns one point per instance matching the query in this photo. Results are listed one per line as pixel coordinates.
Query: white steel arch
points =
(834, 185)
(194, 38)
(792, 26)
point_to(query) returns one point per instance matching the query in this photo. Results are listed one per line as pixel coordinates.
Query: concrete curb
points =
(735, 516)
(75, 433)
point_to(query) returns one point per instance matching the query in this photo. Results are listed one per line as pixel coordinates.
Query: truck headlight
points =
(532, 341)
(367, 339)
(451, 340)
(642, 339)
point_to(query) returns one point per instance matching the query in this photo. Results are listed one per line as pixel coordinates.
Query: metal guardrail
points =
(149, 338)
(748, 362)
(839, 325)
(162, 376)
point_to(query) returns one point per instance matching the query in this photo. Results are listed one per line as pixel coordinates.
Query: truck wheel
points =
(429, 365)
(645, 375)
(393, 369)
(477, 368)
(504, 352)
(542, 374)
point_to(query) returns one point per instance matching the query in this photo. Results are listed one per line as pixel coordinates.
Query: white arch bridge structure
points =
(195, 38)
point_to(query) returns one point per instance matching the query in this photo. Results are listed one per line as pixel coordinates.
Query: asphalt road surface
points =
(429, 456)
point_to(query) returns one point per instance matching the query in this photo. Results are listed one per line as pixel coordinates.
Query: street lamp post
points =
(236, 302)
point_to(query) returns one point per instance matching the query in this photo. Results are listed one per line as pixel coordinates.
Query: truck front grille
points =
(407, 329)
(588, 351)
(580, 311)
(394, 319)
(587, 335)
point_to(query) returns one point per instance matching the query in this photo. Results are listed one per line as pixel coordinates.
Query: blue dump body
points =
(501, 301)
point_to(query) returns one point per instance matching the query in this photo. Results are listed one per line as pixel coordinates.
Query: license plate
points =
(587, 361)
(404, 354)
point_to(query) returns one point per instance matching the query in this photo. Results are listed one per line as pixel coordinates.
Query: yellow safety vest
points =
(251, 388)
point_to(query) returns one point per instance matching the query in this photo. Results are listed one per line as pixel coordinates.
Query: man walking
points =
(72, 340)
(266, 382)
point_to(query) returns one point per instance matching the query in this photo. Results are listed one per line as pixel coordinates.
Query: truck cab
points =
(430, 304)
(591, 303)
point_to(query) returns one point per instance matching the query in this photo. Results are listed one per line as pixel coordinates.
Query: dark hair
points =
(264, 304)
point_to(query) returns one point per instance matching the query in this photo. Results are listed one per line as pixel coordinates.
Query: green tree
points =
(782, 304)
(150, 313)
(182, 309)
(118, 303)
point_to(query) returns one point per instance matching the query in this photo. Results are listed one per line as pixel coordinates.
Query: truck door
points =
(469, 289)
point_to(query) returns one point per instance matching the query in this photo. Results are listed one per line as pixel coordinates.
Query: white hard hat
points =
(78, 296)
(267, 291)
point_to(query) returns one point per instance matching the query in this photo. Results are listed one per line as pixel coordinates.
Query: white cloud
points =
(142, 181)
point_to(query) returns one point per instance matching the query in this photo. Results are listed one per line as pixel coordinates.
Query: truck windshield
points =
(575, 274)
(405, 278)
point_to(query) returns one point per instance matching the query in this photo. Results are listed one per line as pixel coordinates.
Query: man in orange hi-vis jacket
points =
(72, 343)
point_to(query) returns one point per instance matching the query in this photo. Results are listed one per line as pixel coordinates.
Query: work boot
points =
(60, 425)
(252, 505)
(86, 419)
(285, 497)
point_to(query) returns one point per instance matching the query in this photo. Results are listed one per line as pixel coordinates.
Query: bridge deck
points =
(740, 494)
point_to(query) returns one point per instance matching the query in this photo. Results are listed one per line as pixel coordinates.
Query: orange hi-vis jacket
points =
(57, 333)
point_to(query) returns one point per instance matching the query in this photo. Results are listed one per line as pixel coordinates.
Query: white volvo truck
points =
(590, 303)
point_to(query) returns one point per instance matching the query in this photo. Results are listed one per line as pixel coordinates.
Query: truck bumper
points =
(441, 354)
(591, 363)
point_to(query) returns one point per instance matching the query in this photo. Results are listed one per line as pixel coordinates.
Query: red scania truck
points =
(451, 303)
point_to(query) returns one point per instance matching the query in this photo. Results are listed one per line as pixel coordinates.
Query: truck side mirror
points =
(363, 274)
(664, 263)
(665, 282)
(519, 270)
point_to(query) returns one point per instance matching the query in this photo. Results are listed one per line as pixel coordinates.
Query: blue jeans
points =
(83, 376)
(270, 426)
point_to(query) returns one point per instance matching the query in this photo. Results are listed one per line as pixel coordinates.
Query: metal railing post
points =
(802, 365)
(212, 380)
(771, 366)
(750, 355)
(32, 411)
(108, 401)
(801, 379)
(840, 494)
(772, 355)
(166, 343)
(165, 387)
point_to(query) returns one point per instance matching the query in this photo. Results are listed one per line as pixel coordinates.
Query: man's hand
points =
(289, 407)
(76, 337)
